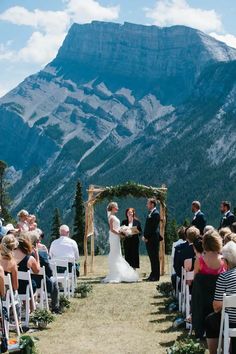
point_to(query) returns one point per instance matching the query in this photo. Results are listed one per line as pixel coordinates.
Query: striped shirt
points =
(226, 283)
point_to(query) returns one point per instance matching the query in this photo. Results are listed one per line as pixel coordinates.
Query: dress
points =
(22, 267)
(131, 244)
(119, 269)
(204, 269)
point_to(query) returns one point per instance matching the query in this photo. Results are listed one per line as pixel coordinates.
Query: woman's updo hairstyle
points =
(111, 205)
(8, 244)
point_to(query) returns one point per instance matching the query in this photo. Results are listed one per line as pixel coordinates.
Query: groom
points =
(152, 239)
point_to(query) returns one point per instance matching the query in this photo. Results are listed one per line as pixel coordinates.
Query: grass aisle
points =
(115, 318)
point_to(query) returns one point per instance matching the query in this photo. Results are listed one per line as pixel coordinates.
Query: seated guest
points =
(211, 261)
(208, 228)
(228, 217)
(182, 239)
(185, 250)
(131, 244)
(7, 261)
(25, 260)
(64, 246)
(32, 222)
(229, 237)
(2, 284)
(41, 247)
(224, 231)
(51, 283)
(226, 284)
(23, 224)
(233, 227)
(199, 220)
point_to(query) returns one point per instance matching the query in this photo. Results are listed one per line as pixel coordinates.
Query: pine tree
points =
(56, 223)
(4, 197)
(79, 218)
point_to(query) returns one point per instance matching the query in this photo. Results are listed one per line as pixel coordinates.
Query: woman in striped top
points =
(226, 284)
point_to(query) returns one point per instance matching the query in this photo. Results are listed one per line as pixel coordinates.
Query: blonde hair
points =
(192, 233)
(9, 243)
(34, 237)
(212, 242)
(112, 205)
(229, 237)
(22, 212)
(224, 231)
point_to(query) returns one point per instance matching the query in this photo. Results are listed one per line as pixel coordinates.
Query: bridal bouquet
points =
(127, 231)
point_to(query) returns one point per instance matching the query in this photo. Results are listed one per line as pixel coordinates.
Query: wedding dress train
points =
(119, 269)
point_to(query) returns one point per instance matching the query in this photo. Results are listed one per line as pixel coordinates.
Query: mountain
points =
(124, 102)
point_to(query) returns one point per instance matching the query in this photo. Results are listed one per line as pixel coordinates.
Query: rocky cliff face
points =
(124, 102)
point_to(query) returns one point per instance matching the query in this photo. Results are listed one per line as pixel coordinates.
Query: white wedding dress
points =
(119, 269)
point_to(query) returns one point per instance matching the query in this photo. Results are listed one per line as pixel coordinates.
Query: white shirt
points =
(64, 247)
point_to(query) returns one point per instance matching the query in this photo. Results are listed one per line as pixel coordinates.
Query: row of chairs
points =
(13, 303)
(184, 297)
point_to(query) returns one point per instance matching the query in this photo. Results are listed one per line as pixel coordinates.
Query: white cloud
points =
(47, 21)
(40, 48)
(86, 11)
(50, 28)
(179, 12)
(229, 39)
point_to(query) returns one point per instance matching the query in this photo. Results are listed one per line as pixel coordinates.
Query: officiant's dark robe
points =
(131, 245)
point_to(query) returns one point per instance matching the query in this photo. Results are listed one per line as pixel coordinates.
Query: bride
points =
(119, 269)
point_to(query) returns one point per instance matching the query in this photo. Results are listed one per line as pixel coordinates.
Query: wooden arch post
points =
(162, 232)
(89, 229)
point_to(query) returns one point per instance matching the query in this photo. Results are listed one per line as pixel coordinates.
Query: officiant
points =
(131, 244)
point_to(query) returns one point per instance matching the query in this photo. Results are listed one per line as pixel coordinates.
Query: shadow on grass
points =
(169, 318)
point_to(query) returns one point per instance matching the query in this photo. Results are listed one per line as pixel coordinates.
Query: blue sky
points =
(31, 31)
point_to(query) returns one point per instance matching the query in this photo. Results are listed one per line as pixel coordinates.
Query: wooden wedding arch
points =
(97, 194)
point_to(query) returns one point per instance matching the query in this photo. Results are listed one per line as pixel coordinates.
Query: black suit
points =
(151, 234)
(131, 245)
(199, 221)
(227, 220)
(182, 252)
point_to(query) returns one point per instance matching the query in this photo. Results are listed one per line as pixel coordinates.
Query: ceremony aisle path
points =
(114, 319)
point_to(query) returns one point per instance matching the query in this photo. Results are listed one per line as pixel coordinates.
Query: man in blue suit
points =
(199, 220)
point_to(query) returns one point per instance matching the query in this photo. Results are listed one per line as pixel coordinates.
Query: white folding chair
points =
(28, 296)
(9, 303)
(181, 290)
(61, 278)
(177, 287)
(225, 330)
(41, 292)
(72, 275)
(189, 276)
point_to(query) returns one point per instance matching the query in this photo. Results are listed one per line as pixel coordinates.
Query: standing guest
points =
(8, 245)
(228, 217)
(23, 224)
(25, 260)
(186, 251)
(64, 246)
(210, 262)
(199, 220)
(131, 244)
(152, 239)
(226, 284)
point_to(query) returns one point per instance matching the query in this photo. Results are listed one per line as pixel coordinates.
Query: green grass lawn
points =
(115, 318)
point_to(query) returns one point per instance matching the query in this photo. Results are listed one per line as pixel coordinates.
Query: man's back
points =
(64, 247)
